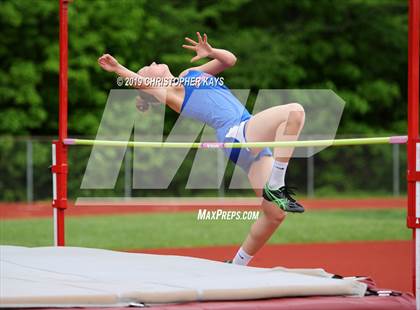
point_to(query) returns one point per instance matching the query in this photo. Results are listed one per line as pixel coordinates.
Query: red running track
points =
(22, 210)
(387, 262)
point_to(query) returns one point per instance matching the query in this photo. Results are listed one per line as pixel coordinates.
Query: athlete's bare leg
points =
(281, 123)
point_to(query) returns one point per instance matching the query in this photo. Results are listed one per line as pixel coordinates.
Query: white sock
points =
(278, 174)
(242, 258)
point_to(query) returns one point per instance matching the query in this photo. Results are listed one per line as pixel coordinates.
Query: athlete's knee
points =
(297, 111)
(296, 115)
(276, 218)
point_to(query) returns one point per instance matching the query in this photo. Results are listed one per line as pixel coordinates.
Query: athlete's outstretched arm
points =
(110, 64)
(222, 59)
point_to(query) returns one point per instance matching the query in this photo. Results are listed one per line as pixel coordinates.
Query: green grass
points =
(136, 231)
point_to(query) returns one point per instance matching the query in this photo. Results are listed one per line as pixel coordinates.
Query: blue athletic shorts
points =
(241, 156)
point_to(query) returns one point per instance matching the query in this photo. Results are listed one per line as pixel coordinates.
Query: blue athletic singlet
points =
(209, 101)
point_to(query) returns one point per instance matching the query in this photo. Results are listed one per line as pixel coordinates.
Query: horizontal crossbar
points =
(218, 145)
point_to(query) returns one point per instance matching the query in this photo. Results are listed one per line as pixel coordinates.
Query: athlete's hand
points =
(108, 63)
(202, 47)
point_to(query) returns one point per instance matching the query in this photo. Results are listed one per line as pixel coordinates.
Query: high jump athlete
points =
(214, 104)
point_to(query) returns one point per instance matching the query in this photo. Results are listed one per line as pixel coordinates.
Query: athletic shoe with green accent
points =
(283, 199)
